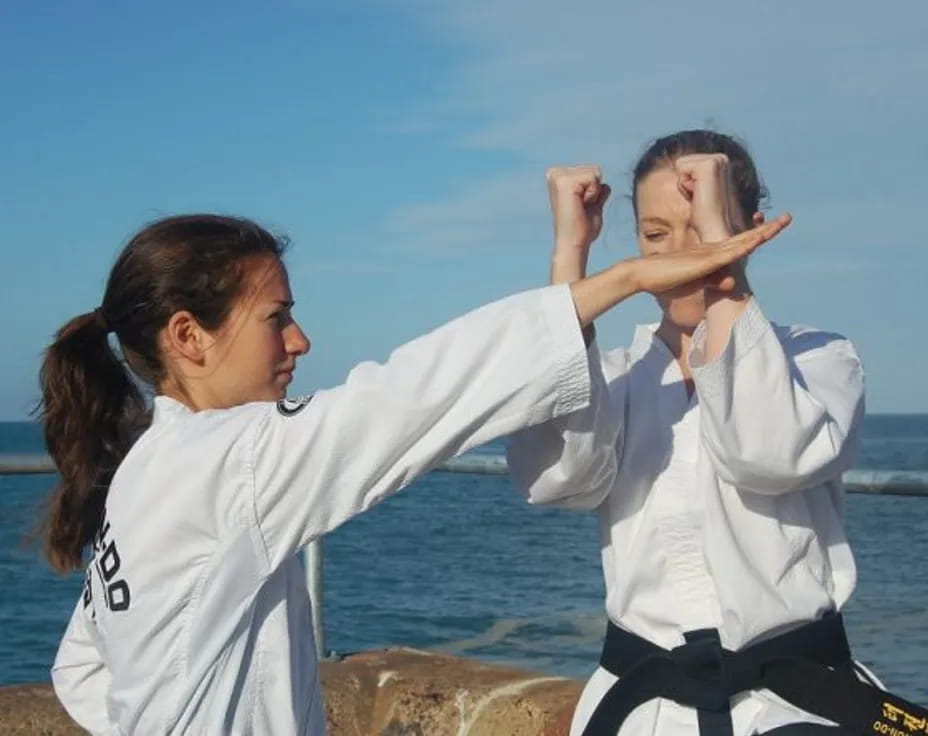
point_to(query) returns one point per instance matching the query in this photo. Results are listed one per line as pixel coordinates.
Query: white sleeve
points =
(572, 461)
(80, 677)
(779, 416)
(512, 363)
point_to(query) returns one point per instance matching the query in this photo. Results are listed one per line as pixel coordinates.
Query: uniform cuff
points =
(568, 349)
(746, 333)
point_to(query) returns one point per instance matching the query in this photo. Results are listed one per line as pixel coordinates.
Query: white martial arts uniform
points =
(723, 511)
(196, 619)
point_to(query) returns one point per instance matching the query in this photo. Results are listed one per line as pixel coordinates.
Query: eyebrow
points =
(655, 220)
(286, 303)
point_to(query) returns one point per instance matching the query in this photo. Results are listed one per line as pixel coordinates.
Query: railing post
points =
(312, 558)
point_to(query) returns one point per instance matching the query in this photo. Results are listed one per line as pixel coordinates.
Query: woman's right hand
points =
(664, 271)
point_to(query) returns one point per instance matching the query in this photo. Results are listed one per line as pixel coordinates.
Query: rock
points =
(395, 692)
(33, 709)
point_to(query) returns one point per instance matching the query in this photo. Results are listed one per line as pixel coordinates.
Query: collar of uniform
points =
(166, 409)
(645, 336)
(653, 352)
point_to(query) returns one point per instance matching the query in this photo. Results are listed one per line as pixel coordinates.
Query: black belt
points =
(809, 667)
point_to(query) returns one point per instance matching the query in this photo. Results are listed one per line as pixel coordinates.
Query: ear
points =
(186, 338)
(758, 219)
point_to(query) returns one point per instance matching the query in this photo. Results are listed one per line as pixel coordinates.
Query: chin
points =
(274, 392)
(686, 321)
(685, 310)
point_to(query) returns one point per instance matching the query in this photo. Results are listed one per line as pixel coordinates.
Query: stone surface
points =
(33, 709)
(396, 692)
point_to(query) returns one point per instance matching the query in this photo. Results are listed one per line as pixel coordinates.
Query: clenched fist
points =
(577, 195)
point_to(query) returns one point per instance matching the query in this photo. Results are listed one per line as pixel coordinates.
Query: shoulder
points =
(247, 415)
(227, 423)
(803, 341)
(209, 432)
(220, 436)
(246, 424)
(205, 457)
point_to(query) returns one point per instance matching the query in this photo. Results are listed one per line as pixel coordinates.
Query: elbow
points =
(61, 683)
(791, 474)
(80, 699)
(583, 500)
(576, 488)
(64, 686)
(766, 481)
(788, 463)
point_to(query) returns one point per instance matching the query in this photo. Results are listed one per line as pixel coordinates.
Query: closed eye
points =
(655, 235)
(282, 317)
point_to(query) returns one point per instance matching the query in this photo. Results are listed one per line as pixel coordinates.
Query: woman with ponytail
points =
(189, 515)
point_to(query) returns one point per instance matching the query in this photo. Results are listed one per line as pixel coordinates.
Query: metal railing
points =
(39, 464)
(888, 482)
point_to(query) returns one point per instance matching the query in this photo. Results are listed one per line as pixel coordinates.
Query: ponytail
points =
(90, 410)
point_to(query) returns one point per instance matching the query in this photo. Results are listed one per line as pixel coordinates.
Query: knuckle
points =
(587, 172)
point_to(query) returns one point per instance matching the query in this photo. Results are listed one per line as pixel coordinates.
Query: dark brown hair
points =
(92, 407)
(750, 190)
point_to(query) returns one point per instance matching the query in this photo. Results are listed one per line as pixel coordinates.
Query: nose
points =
(295, 340)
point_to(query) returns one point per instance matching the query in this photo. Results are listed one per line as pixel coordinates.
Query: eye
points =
(655, 235)
(282, 317)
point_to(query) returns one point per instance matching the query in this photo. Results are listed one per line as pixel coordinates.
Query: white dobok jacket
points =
(724, 510)
(195, 618)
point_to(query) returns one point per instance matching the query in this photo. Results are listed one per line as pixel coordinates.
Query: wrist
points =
(714, 232)
(739, 295)
(572, 246)
(567, 265)
(627, 275)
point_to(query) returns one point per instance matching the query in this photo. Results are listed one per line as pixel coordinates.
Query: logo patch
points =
(289, 407)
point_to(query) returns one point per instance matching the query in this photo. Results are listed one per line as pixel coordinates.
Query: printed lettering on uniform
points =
(108, 564)
(289, 407)
(88, 594)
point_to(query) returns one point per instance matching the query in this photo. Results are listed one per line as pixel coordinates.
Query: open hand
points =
(664, 271)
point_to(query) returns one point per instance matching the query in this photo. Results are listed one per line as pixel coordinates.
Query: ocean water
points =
(459, 563)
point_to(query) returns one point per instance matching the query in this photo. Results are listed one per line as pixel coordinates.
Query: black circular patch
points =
(289, 407)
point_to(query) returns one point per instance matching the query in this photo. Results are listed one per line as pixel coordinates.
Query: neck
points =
(186, 395)
(678, 340)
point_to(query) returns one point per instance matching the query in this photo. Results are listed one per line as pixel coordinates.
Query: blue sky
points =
(402, 146)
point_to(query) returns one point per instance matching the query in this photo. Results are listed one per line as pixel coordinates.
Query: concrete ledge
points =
(33, 709)
(396, 692)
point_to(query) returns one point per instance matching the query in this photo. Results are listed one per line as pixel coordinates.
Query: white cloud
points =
(508, 207)
(550, 82)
